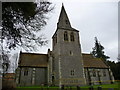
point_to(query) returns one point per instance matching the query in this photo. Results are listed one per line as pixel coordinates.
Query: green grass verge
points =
(116, 86)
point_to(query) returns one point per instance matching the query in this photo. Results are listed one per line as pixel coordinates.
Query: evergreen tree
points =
(98, 51)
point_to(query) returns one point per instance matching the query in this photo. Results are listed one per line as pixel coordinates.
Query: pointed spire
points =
(62, 4)
(63, 21)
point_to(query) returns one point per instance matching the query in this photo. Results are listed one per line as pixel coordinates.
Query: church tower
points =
(67, 58)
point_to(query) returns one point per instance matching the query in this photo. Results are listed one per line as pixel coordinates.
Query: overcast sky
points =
(92, 19)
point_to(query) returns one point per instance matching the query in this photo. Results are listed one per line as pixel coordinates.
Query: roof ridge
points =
(87, 53)
(33, 53)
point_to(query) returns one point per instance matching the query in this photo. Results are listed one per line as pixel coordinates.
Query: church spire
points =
(63, 21)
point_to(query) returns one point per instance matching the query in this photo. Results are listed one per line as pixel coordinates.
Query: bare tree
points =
(21, 23)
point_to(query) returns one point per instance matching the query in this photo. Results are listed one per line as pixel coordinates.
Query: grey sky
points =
(92, 19)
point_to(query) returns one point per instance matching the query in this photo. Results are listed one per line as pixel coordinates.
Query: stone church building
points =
(65, 64)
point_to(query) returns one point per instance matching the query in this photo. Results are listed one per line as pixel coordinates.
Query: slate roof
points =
(92, 62)
(41, 60)
(33, 60)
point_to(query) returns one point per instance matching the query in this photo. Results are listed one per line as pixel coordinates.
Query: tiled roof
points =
(90, 61)
(41, 60)
(33, 60)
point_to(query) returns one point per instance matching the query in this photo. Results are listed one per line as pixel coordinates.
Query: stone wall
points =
(96, 76)
(8, 80)
(68, 59)
(35, 76)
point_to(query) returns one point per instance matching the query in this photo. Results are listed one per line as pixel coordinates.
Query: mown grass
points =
(115, 86)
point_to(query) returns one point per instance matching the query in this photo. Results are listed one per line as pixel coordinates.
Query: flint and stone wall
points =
(96, 76)
(69, 69)
(35, 76)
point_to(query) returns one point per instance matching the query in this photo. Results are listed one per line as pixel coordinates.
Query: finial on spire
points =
(62, 4)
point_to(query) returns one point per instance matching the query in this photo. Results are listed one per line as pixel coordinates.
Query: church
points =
(65, 64)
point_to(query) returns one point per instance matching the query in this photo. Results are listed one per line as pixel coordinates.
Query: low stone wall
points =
(8, 81)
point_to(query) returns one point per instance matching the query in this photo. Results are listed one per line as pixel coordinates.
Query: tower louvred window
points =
(66, 21)
(65, 36)
(72, 36)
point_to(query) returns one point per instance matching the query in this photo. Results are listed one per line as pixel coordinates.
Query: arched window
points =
(94, 73)
(72, 36)
(53, 78)
(26, 72)
(65, 36)
(72, 72)
(104, 73)
(71, 53)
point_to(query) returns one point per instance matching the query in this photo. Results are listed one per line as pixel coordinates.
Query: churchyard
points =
(114, 86)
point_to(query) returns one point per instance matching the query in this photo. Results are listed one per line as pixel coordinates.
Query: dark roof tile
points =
(33, 60)
(41, 60)
(90, 61)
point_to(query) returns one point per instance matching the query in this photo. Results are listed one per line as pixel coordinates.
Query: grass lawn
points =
(116, 86)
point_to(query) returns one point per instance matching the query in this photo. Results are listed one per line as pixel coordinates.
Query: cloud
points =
(91, 19)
